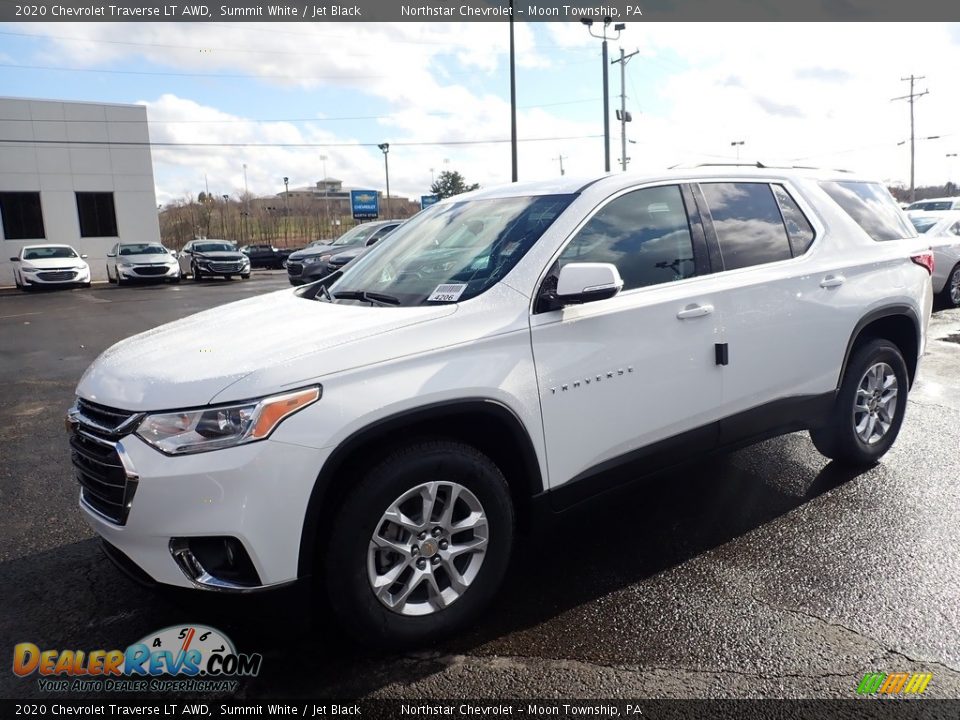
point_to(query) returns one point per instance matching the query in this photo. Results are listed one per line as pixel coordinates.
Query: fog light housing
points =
(216, 563)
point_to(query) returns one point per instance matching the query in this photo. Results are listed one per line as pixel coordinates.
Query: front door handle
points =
(694, 310)
(831, 281)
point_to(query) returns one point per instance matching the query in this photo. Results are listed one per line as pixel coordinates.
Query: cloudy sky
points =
(815, 94)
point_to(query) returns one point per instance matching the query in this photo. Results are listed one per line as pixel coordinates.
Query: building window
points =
(97, 215)
(21, 215)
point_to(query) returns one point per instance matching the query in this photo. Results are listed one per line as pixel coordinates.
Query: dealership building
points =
(77, 174)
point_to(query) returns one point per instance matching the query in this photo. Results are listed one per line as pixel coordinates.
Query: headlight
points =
(315, 259)
(125, 264)
(193, 431)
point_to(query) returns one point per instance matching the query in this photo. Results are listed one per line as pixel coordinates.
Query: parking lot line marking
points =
(4, 317)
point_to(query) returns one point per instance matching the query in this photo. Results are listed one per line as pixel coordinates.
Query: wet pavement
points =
(765, 573)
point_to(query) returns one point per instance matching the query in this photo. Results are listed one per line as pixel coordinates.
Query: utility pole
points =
(385, 147)
(561, 158)
(625, 117)
(606, 81)
(513, 102)
(246, 204)
(911, 98)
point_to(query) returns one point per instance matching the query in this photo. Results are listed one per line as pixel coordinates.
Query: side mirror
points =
(14, 259)
(110, 255)
(586, 282)
(83, 257)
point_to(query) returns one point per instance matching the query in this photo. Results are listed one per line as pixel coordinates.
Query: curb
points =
(13, 290)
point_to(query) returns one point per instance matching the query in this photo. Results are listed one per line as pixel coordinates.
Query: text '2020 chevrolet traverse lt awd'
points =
(509, 350)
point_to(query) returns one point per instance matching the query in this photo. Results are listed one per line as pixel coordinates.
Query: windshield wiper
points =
(371, 297)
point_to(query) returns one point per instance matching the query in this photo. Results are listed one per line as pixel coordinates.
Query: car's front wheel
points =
(950, 295)
(869, 407)
(195, 271)
(421, 545)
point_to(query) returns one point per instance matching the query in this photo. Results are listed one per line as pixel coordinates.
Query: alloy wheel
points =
(876, 403)
(427, 548)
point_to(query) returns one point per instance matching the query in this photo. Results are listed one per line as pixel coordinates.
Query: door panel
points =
(617, 375)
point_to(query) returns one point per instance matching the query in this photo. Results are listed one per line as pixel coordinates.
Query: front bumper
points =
(224, 267)
(54, 277)
(300, 273)
(237, 492)
(149, 272)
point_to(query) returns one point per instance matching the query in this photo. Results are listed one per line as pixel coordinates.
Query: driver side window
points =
(645, 233)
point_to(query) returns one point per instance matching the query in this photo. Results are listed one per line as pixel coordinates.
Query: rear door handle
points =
(694, 310)
(831, 281)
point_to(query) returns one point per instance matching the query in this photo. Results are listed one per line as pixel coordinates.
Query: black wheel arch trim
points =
(873, 316)
(309, 535)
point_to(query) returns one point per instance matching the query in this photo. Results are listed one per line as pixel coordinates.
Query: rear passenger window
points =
(798, 227)
(644, 233)
(747, 220)
(873, 209)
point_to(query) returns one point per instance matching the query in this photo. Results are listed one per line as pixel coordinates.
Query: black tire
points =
(838, 439)
(176, 280)
(228, 277)
(197, 275)
(245, 277)
(120, 280)
(345, 565)
(945, 297)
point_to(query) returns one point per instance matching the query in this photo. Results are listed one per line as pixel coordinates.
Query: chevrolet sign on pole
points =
(365, 204)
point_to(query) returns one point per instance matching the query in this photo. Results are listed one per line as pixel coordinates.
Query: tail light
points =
(924, 259)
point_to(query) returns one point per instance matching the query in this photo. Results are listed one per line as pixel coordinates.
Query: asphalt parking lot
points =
(765, 573)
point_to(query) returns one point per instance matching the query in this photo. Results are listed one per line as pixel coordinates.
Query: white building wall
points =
(62, 157)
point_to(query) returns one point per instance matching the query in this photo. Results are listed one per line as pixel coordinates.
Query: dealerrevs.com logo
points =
(181, 658)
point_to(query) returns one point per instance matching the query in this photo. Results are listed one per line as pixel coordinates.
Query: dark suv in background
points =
(312, 263)
(266, 256)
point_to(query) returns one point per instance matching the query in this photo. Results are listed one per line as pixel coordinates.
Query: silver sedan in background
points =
(943, 229)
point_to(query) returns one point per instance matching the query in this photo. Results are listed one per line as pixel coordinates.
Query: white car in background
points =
(943, 229)
(49, 265)
(141, 261)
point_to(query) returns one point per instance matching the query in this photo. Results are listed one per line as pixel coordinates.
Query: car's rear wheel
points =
(421, 545)
(869, 408)
(950, 295)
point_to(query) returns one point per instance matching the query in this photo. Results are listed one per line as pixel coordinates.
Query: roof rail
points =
(756, 164)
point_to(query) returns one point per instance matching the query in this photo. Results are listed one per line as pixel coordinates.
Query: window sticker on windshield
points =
(447, 293)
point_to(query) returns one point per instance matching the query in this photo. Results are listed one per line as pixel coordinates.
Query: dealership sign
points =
(428, 200)
(365, 204)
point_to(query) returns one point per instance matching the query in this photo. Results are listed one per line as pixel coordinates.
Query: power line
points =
(434, 143)
(247, 121)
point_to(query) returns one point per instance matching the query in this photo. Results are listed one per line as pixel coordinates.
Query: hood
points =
(51, 263)
(347, 255)
(221, 255)
(152, 259)
(275, 341)
(311, 251)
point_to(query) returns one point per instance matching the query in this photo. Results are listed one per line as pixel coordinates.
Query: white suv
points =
(512, 350)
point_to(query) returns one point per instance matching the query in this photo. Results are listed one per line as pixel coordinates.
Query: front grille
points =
(294, 268)
(57, 275)
(149, 270)
(225, 267)
(105, 484)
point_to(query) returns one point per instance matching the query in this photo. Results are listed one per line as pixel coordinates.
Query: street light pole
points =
(286, 208)
(737, 144)
(385, 147)
(606, 82)
(513, 102)
(246, 205)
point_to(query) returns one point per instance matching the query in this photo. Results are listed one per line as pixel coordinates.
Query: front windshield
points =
(142, 249)
(42, 253)
(213, 247)
(924, 224)
(452, 252)
(356, 235)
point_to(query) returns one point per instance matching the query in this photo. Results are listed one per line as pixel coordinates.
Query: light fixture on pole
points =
(385, 147)
(737, 144)
(606, 83)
